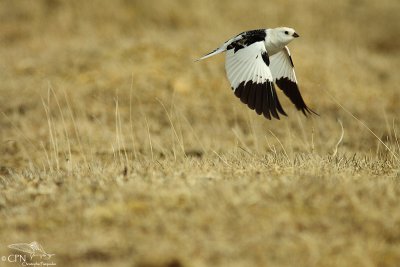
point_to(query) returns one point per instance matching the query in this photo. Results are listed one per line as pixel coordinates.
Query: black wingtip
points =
(291, 90)
(278, 103)
(267, 115)
(307, 111)
(260, 97)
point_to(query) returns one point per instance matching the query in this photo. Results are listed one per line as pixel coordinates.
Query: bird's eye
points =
(286, 32)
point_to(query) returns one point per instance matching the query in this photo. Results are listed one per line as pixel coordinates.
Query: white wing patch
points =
(282, 66)
(246, 65)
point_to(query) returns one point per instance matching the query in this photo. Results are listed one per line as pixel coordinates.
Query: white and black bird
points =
(254, 61)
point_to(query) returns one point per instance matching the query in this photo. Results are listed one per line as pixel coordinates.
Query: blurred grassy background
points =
(138, 52)
(103, 108)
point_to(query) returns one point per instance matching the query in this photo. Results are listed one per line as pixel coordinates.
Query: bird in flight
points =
(254, 61)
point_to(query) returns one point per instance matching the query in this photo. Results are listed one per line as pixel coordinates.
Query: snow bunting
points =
(254, 61)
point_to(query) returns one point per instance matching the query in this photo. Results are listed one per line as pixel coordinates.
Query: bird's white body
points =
(274, 41)
(254, 60)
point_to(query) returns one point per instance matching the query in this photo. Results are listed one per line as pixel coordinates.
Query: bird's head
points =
(285, 35)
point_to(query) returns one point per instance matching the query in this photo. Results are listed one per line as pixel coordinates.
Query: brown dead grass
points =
(118, 150)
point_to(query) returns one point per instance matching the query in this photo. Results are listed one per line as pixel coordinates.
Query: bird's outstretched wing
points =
(282, 69)
(247, 67)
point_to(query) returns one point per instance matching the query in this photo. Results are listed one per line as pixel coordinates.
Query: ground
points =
(117, 149)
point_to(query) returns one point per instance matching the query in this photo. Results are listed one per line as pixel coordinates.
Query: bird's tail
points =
(222, 48)
(213, 53)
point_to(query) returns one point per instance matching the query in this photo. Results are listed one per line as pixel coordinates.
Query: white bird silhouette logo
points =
(33, 249)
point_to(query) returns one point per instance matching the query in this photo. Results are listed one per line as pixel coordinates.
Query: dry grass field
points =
(117, 149)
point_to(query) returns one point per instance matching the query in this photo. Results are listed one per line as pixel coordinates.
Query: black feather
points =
(291, 90)
(259, 100)
(272, 100)
(278, 103)
(253, 87)
(248, 38)
(262, 97)
(265, 57)
(238, 91)
(245, 93)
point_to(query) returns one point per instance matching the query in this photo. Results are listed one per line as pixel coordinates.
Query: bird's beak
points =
(295, 35)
